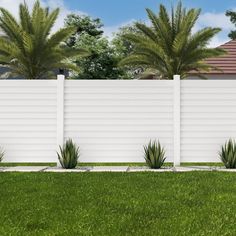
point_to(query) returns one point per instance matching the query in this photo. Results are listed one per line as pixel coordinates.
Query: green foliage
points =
(123, 47)
(154, 155)
(102, 63)
(69, 155)
(83, 24)
(28, 48)
(228, 154)
(168, 47)
(232, 16)
(1, 155)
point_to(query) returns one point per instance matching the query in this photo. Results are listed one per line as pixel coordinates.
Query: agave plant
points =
(169, 47)
(69, 155)
(154, 155)
(28, 47)
(1, 154)
(228, 154)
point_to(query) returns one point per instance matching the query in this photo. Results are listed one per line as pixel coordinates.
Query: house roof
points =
(227, 62)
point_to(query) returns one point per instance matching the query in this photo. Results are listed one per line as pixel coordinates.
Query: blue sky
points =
(116, 13)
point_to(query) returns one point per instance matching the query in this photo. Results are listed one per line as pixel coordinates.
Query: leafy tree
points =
(83, 24)
(123, 47)
(232, 15)
(168, 47)
(29, 49)
(102, 63)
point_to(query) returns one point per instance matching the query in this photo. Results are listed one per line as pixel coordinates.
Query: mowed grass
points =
(196, 203)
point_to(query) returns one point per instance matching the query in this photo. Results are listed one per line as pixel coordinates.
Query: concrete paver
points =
(113, 169)
(25, 169)
(109, 169)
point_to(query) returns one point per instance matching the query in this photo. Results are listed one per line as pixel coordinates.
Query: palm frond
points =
(168, 45)
(28, 49)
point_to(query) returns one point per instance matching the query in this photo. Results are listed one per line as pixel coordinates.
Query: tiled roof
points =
(226, 63)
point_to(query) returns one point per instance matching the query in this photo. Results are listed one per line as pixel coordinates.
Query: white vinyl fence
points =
(112, 120)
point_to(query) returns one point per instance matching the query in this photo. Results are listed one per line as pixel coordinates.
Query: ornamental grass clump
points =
(1, 155)
(69, 155)
(154, 155)
(228, 154)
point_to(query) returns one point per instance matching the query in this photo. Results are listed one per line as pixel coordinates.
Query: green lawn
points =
(196, 203)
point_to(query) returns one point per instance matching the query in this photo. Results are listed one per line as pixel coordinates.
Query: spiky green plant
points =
(1, 154)
(228, 154)
(69, 155)
(154, 155)
(168, 47)
(29, 49)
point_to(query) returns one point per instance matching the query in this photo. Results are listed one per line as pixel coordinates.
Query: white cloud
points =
(215, 20)
(64, 11)
(109, 31)
(209, 19)
(13, 7)
(217, 41)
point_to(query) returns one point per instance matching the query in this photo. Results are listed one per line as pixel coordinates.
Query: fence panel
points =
(28, 120)
(112, 120)
(208, 118)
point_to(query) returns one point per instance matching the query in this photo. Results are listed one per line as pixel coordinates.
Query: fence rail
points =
(112, 120)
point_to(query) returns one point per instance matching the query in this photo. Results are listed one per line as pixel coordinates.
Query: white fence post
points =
(177, 120)
(60, 111)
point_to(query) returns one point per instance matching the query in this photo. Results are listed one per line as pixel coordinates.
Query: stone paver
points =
(25, 169)
(109, 169)
(138, 168)
(113, 169)
(202, 168)
(61, 170)
(225, 170)
(184, 169)
(147, 169)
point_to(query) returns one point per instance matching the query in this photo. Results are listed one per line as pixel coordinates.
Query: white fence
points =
(112, 120)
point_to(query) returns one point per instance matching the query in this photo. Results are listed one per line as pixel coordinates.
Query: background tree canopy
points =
(104, 54)
(232, 16)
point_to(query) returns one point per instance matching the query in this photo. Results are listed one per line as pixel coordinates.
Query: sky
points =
(117, 13)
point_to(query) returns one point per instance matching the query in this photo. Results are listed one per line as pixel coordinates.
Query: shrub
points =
(69, 155)
(1, 154)
(154, 155)
(228, 154)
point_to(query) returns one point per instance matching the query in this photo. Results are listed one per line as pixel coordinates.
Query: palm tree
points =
(28, 49)
(169, 47)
